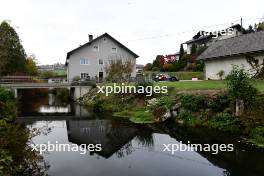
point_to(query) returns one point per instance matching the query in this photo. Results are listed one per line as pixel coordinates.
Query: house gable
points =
(100, 38)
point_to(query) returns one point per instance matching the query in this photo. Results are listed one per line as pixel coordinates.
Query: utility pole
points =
(241, 24)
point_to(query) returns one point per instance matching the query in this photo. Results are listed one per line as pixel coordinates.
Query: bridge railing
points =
(22, 79)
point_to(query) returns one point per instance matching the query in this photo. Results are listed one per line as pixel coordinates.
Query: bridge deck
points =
(39, 85)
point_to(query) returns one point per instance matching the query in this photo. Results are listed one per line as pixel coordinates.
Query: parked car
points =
(165, 77)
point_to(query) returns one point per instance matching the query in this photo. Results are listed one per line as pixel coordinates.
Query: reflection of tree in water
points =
(15, 145)
(126, 150)
(117, 134)
(145, 139)
(46, 129)
(60, 96)
(226, 173)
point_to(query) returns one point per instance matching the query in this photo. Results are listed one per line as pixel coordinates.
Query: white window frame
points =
(114, 51)
(86, 61)
(86, 75)
(100, 60)
(96, 49)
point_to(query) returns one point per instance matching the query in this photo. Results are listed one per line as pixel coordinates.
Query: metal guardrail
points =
(22, 79)
(35, 79)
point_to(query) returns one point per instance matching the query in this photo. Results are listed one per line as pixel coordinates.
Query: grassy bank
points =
(206, 85)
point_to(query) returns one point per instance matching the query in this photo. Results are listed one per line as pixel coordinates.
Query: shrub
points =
(166, 101)
(159, 112)
(224, 117)
(188, 117)
(239, 86)
(221, 74)
(220, 103)
(89, 83)
(76, 79)
(257, 135)
(8, 108)
(193, 103)
(224, 121)
(6, 95)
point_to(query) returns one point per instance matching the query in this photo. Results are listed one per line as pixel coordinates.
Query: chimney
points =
(90, 38)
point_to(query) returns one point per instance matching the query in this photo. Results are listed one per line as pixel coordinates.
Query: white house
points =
(90, 59)
(223, 54)
(205, 39)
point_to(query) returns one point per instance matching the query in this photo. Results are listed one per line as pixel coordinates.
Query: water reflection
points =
(129, 149)
(54, 109)
(112, 136)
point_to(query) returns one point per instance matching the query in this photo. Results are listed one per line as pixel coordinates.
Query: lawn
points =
(205, 85)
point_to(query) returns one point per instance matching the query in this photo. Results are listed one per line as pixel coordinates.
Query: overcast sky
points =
(51, 28)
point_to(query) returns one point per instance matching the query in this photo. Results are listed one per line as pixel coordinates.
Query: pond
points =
(129, 149)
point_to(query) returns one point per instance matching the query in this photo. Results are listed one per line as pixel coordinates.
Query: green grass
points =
(205, 85)
(194, 85)
(257, 136)
(139, 115)
(60, 72)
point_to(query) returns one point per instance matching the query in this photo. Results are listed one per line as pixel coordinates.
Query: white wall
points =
(212, 67)
(105, 53)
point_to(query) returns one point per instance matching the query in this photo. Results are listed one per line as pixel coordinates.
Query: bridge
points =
(29, 82)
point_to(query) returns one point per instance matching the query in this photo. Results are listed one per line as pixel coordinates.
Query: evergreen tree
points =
(156, 62)
(250, 29)
(12, 53)
(181, 52)
(193, 49)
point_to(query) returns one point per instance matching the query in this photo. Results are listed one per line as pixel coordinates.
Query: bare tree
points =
(119, 70)
(257, 68)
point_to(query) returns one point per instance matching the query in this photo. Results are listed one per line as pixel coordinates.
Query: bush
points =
(188, 117)
(8, 110)
(257, 135)
(6, 95)
(166, 101)
(220, 103)
(89, 83)
(159, 112)
(193, 103)
(224, 121)
(240, 87)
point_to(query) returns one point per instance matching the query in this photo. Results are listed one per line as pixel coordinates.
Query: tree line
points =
(13, 58)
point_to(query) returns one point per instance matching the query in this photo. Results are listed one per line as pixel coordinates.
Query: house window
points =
(96, 48)
(114, 50)
(84, 61)
(84, 75)
(101, 61)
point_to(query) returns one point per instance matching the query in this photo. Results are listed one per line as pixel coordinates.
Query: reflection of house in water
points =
(112, 136)
(80, 111)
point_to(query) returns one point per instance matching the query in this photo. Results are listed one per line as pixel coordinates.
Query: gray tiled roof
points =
(247, 43)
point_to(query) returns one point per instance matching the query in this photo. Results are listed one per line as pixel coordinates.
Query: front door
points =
(101, 76)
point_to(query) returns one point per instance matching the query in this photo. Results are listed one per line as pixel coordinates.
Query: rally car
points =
(165, 77)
